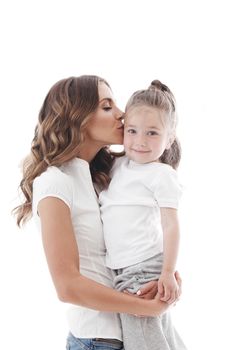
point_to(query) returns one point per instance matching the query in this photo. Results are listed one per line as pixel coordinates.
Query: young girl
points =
(139, 213)
(77, 122)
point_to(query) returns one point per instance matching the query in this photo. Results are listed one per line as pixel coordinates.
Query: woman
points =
(77, 122)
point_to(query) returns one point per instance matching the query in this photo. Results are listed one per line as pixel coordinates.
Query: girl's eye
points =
(131, 131)
(107, 108)
(152, 133)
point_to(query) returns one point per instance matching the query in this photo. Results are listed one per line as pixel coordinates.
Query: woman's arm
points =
(63, 261)
(168, 286)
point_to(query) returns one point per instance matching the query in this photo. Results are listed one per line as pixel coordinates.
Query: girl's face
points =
(105, 126)
(146, 135)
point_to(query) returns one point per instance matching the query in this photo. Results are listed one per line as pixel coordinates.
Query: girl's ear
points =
(171, 139)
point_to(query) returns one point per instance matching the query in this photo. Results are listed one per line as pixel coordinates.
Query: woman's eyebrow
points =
(107, 99)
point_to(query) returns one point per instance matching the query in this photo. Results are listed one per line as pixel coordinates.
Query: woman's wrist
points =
(150, 308)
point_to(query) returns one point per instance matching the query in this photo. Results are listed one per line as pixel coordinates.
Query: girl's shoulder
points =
(118, 162)
(162, 167)
(163, 172)
(165, 183)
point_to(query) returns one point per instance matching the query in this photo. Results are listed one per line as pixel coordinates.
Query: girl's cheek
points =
(126, 141)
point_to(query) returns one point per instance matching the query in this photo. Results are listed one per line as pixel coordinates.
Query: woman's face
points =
(105, 127)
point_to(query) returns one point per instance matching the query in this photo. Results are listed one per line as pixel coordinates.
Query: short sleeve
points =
(52, 183)
(167, 189)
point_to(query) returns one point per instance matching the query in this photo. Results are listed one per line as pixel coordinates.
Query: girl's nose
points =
(141, 142)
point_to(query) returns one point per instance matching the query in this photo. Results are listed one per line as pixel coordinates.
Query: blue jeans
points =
(74, 343)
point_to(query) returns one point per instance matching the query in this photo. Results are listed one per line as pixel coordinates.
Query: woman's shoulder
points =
(53, 178)
(53, 183)
(52, 173)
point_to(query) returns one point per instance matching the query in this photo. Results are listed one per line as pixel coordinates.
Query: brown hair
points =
(158, 95)
(59, 134)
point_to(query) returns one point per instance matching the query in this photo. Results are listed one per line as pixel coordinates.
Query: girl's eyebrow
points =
(148, 127)
(153, 127)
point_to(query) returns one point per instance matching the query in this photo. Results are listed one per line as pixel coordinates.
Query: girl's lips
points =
(140, 151)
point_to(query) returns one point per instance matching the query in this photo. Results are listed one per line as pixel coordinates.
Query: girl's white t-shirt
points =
(130, 210)
(72, 184)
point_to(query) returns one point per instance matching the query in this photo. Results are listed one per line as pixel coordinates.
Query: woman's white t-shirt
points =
(72, 184)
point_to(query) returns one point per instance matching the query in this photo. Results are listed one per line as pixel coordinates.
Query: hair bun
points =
(157, 85)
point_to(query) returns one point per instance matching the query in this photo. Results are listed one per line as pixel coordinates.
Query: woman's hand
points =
(148, 290)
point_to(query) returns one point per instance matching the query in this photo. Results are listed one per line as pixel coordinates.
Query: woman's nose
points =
(119, 114)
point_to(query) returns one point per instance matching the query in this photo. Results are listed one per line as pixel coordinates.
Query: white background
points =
(187, 45)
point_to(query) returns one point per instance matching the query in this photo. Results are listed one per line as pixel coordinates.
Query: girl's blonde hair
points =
(159, 96)
(59, 133)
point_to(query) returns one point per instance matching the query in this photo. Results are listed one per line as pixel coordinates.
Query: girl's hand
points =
(168, 288)
(148, 290)
(179, 282)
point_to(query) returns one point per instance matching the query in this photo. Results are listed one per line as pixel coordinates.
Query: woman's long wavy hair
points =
(59, 133)
(159, 96)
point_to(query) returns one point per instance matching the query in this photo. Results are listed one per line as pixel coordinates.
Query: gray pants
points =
(156, 333)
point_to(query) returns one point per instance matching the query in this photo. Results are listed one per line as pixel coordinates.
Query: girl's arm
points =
(63, 261)
(168, 286)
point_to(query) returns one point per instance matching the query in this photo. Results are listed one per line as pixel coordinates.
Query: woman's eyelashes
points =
(107, 108)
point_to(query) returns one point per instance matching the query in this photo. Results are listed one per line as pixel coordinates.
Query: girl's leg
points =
(145, 333)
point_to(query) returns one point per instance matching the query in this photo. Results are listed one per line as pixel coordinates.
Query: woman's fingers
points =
(148, 290)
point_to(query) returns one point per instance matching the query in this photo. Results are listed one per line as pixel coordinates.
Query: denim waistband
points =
(108, 340)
